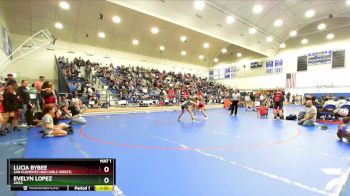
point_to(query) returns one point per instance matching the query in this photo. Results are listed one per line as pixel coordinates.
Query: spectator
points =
(74, 88)
(94, 101)
(2, 133)
(51, 130)
(76, 113)
(10, 80)
(48, 94)
(64, 104)
(11, 105)
(25, 101)
(32, 119)
(90, 92)
(247, 102)
(252, 97)
(278, 102)
(330, 104)
(38, 84)
(261, 98)
(256, 105)
(341, 101)
(288, 97)
(310, 116)
(136, 83)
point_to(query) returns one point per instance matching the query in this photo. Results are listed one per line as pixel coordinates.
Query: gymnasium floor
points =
(243, 155)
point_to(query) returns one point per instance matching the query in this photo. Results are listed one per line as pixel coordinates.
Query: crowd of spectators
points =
(79, 85)
(138, 83)
(18, 110)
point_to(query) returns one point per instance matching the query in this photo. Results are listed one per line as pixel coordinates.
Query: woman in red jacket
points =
(48, 94)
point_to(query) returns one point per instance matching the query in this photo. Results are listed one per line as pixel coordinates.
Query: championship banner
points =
(234, 71)
(279, 66)
(211, 75)
(228, 72)
(269, 67)
(222, 73)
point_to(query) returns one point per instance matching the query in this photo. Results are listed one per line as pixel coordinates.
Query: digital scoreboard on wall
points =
(61, 174)
(254, 65)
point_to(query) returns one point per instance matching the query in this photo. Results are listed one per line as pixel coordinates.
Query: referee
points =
(236, 96)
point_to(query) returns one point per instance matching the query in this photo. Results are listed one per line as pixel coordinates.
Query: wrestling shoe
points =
(23, 126)
(16, 129)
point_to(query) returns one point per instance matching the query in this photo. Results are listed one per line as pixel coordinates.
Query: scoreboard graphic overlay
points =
(61, 174)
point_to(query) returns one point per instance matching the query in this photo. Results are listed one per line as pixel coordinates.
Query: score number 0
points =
(106, 170)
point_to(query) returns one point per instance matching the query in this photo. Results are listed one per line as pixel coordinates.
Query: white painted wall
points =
(41, 62)
(315, 75)
(320, 90)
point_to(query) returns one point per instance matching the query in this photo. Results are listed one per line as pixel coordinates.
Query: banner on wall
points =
(269, 67)
(211, 74)
(222, 73)
(228, 72)
(318, 58)
(234, 71)
(216, 74)
(279, 66)
(6, 41)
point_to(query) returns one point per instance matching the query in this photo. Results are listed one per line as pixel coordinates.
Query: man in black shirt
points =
(23, 92)
(10, 80)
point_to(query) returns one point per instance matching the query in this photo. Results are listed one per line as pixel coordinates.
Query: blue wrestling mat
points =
(243, 155)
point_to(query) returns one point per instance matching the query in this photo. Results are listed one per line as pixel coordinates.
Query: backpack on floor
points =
(291, 117)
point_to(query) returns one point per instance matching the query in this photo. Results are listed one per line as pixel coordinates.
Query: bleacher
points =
(136, 97)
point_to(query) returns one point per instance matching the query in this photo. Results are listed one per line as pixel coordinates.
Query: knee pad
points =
(10, 120)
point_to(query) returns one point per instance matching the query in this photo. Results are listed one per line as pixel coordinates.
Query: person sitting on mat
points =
(63, 106)
(32, 119)
(342, 101)
(344, 129)
(263, 110)
(330, 105)
(278, 114)
(51, 130)
(256, 105)
(186, 105)
(310, 116)
(76, 113)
